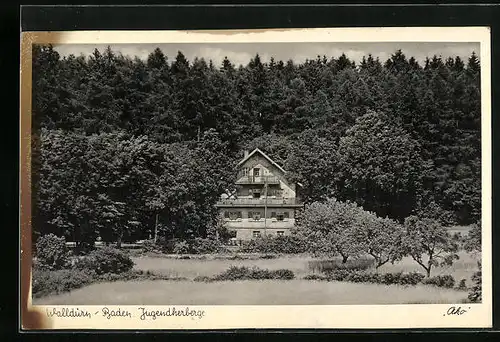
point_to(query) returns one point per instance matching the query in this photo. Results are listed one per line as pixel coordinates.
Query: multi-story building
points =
(264, 201)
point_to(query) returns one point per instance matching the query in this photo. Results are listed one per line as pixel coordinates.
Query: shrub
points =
(462, 286)
(412, 278)
(205, 246)
(270, 244)
(51, 252)
(359, 264)
(254, 273)
(204, 279)
(181, 247)
(475, 292)
(268, 256)
(359, 276)
(283, 274)
(315, 277)
(150, 246)
(338, 274)
(473, 241)
(106, 260)
(46, 282)
(391, 278)
(446, 281)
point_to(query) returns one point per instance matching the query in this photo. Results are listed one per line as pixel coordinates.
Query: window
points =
(254, 215)
(280, 216)
(256, 193)
(256, 233)
(273, 214)
(232, 234)
(245, 171)
(226, 214)
(286, 214)
(280, 233)
(256, 172)
(234, 215)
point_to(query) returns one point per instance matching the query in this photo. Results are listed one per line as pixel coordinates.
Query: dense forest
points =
(121, 145)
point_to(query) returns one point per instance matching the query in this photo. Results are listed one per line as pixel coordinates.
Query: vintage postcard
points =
(294, 178)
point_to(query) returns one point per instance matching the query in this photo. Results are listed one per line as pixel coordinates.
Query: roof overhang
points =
(265, 156)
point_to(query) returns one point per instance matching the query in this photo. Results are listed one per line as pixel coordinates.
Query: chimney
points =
(245, 153)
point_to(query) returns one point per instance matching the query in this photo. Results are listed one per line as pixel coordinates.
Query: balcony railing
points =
(258, 180)
(259, 202)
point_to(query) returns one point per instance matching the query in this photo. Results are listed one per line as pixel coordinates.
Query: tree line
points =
(123, 143)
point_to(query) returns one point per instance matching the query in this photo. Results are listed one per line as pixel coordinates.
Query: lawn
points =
(264, 292)
(258, 292)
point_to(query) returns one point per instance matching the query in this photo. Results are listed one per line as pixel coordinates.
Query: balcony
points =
(259, 202)
(258, 180)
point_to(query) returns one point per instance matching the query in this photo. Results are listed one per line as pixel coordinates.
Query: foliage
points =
(47, 282)
(205, 246)
(51, 252)
(328, 228)
(473, 240)
(428, 238)
(115, 186)
(446, 281)
(380, 166)
(312, 161)
(462, 285)
(254, 273)
(358, 264)
(363, 276)
(382, 239)
(105, 260)
(288, 244)
(119, 141)
(181, 247)
(475, 292)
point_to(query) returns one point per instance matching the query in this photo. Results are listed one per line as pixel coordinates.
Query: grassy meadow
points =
(261, 292)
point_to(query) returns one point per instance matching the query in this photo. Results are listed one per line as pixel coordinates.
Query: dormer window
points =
(256, 172)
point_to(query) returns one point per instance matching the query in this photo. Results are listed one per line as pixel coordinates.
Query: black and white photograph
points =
(258, 173)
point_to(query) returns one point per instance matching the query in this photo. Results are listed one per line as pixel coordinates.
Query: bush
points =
(283, 274)
(315, 277)
(359, 264)
(268, 256)
(204, 279)
(197, 246)
(254, 273)
(475, 293)
(46, 282)
(359, 276)
(181, 247)
(338, 275)
(51, 252)
(412, 278)
(151, 246)
(105, 260)
(205, 246)
(363, 277)
(462, 286)
(270, 244)
(446, 281)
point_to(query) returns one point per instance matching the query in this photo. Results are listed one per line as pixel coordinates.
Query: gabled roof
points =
(264, 155)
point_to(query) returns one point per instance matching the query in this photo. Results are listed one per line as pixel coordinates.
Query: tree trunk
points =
(344, 258)
(428, 271)
(119, 239)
